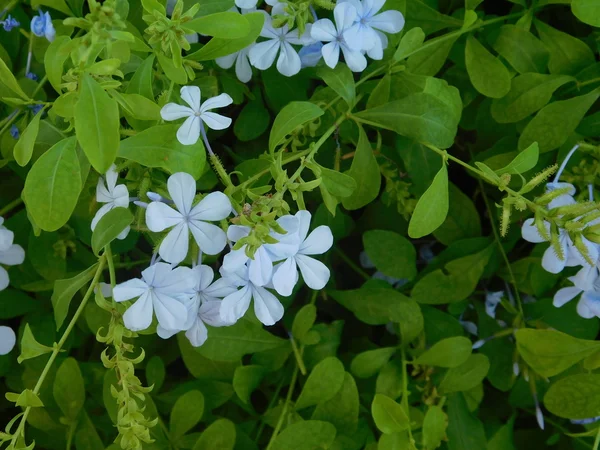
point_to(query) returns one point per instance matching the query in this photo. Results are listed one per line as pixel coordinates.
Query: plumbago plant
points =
(299, 224)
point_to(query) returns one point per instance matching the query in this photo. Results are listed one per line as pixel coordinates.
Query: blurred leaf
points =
(68, 389)
(388, 415)
(449, 352)
(575, 397)
(324, 381)
(186, 413)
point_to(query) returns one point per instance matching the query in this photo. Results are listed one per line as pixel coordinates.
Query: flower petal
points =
(263, 54)
(175, 245)
(288, 63)
(226, 62)
(159, 217)
(13, 255)
(215, 121)
(245, 4)
(235, 305)
(266, 306)
(261, 267)
(139, 315)
(355, 60)
(210, 238)
(129, 289)
(189, 131)
(376, 51)
(331, 54)
(584, 310)
(191, 95)
(204, 275)
(345, 15)
(170, 313)
(235, 259)
(551, 262)
(182, 188)
(371, 7)
(389, 21)
(197, 334)
(215, 206)
(317, 242)
(565, 295)
(220, 101)
(243, 70)
(100, 214)
(173, 111)
(179, 281)
(237, 232)
(220, 288)
(6, 238)
(210, 313)
(324, 30)
(163, 333)
(530, 232)
(315, 273)
(8, 339)
(4, 280)
(285, 277)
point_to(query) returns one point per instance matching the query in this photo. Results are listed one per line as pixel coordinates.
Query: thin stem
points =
(12, 205)
(288, 399)
(298, 356)
(405, 404)
(564, 163)
(597, 440)
(352, 264)
(129, 264)
(205, 139)
(111, 266)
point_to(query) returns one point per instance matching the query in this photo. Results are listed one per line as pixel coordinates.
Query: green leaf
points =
(432, 207)
(420, 13)
(529, 93)
(489, 76)
(521, 49)
(341, 81)
(588, 11)
(465, 431)
(503, 438)
(305, 435)
(434, 427)
(219, 47)
(43, 256)
(231, 343)
(68, 389)
(175, 74)
(25, 399)
(246, 379)
(140, 107)
(64, 290)
(24, 147)
(109, 227)
(552, 126)
(575, 397)
(381, 92)
(392, 254)
(420, 116)
(367, 364)
(303, 321)
(462, 220)
(324, 381)
(8, 79)
(466, 376)
(550, 352)
(338, 184)
(30, 348)
(220, 435)
(411, 41)
(449, 352)
(431, 56)
(388, 415)
(155, 373)
(568, 55)
(15, 303)
(97, 124)
(253, 120)
(186, 413)
(366, 174)
(524, 161)
(342, 409)
(227, 25)
(158, 147)
(421, 163)
(290, 118)
(53, 185)
(54, 60)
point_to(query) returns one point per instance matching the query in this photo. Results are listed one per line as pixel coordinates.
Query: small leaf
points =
(27, 398)
(342, 409)
(24, 147)
(322, 384)
(523, 162)
(588, 11)
(303, 321)
(488, 75)
(449, 352)
(337, 183)
(466, 376)
(575, 397)
(64, 290)
(30, 348)
(109, 227)
(186, 413)
(367, 364)
(227, 25)
(220, 435)
(392, 254)
(341, 81)
(305, 435)
(68, 389)
(434, 427)
(388, 415)
(246, 379)
(290, 118)
(432, 207)
(411, 41)
(8, 79)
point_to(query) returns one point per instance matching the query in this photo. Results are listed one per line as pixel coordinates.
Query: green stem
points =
(298, 356)
(597, 440)
(405, 404)
(12, 205)
(111, 266)
(283, 415)
(352, 264)
(130, 264)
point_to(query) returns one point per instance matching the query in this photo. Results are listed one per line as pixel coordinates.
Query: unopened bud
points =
(538, 179)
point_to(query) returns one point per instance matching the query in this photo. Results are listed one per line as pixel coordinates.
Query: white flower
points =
(324, 30)
(315, 273)
(267, 307)
(12, 256)
(8, 339)
(261, 265)
(196, 114)
(113, 196)
(587, 283)
(6, 236)
(251, 4)
(188, 218)
(161, 290)
(243, 71)
(492, 300)
(263, 54)
(366, 33)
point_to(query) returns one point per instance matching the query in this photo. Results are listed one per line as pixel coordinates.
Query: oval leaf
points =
(291, 117)
(432, 207)
(488, 75)
(24, 147)
(109, 227)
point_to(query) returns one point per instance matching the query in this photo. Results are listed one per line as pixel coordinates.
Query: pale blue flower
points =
(14, 132)
(41, 26)
(310, 55)
(9, 23)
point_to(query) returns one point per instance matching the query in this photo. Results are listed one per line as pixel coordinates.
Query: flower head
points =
(196, 114)
(8, 339)
(11, 256)
(112, 196)
(586, 283)
(9, 23)
(186, 218)
(14, 132)
(32, 76)
(324, 30)
(161, 290)
(41, 26)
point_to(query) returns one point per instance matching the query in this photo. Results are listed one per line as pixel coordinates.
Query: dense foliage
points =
(303, 224)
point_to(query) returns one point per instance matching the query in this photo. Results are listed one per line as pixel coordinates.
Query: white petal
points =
(268, 31)
(8, 339)
(170, 313)
(191, 95)
(12, 256)
(585, 277)
(565, 295)
(139, 315)
(159, 217)
(220, 101)
(129, 289)
(100, 214)
(345, 15)
(235, 305)
(179, 281)
(220, 288)
(551, 262)
(175, 245)
(324, 30)
(261, 267)
(331, 54)
(215, 121)
(235, 259)
(389, 21)
(355, 60)
(6, 238)
(4, 280)
(242, 66)
(163, 333)
(288, 63)
(226, 62)
(210, 238)
(189, 131)
(111, 176)
(103, 195)
(197, 334)
(531, 233)
(237, 277)
(376, 51)
(584, 308)
(204, 275)
(592, 251)
(317, 242)
(215, 206)
(182, 188)
(121, 196)
(371, 7)
(315, 273)
(266, 306)
(173, 111)
(263, 54)
(123, 234)
(285, 277)
(237, 232)
(210, 313)
(245, 4)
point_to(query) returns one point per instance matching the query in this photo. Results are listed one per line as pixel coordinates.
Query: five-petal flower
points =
(13, 255)
(112, 196)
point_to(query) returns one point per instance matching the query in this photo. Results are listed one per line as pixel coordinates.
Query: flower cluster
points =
(9, 23)
(187, 299)
(10, 254)
(359, 29)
